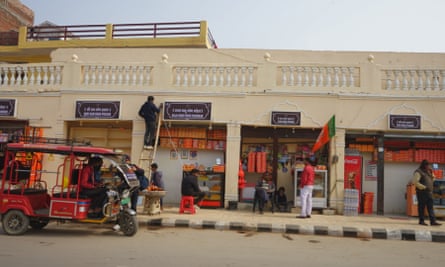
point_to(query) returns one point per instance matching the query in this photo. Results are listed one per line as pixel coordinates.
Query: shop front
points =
(113, 134)
(280, 151)
(189, 139)
(401, 155)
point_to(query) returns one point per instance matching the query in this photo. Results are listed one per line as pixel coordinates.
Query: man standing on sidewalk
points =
(306, 188)
(423, 180)
(148, 111)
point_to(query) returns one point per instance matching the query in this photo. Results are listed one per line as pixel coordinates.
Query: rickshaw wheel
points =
(128, 224)
(15, 222)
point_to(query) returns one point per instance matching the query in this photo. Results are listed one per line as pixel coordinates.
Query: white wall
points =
(172, 169)
(396, 177)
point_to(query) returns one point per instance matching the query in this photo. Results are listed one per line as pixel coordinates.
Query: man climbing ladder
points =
(148, 111)
(152, 117)
(148, 153)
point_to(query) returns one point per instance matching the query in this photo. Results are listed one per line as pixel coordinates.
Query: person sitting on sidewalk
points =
(190, 187)
(281, 200)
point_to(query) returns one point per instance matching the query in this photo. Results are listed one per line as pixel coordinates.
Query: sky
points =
(320, 25)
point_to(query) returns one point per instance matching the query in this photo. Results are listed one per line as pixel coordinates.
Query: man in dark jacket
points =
(423, 180)
(148, 111)
(190, 187)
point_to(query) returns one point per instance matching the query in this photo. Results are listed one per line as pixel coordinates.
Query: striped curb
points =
(335, 231)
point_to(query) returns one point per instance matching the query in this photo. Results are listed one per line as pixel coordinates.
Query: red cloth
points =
(308, 175)
(86, 178)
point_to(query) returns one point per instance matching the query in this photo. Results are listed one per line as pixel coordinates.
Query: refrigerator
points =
(213, 184)
(353, 175)
(319, 194)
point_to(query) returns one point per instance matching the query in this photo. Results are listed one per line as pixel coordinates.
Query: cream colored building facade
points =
(243, 86)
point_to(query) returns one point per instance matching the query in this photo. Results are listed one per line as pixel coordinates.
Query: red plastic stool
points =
(187, 205)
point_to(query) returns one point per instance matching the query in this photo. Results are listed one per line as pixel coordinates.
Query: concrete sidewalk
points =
(361, 226)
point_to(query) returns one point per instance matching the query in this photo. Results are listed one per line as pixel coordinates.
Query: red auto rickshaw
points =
(40, 183)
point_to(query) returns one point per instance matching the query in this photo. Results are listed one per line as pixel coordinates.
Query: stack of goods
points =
(154, 188)
(351, 202)
(362, 147)
(437, 156)
(216, 134)
(218, 168)
(257, 162)
(399, 155)
(438, 174)
(368, 199)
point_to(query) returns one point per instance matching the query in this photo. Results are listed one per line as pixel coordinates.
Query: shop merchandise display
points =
(192, 138)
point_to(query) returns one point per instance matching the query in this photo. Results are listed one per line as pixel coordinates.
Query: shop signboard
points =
(405, 122)
(371, 170)
(7, 107)
(195, 111)
(97, 109)
(285, 118)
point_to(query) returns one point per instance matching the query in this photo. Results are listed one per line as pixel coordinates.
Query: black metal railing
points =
(154, 30)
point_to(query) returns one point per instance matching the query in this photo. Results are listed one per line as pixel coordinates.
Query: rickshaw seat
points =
(26, 191)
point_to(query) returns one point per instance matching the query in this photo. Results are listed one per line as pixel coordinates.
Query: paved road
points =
(88, 245)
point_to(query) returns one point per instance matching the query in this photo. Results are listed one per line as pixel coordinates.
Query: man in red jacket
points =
(89, 188)
(306, 188)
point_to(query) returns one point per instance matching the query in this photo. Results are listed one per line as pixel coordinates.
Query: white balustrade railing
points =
(30, 75)
(413, 79)
(215, 76)
(318, 76)
(49, 76)
(128, 75)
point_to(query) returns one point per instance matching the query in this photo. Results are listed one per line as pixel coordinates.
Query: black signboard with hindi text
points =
(7, 107)
(197, 111)
(405, 122)
(285, 118)
(97, 109)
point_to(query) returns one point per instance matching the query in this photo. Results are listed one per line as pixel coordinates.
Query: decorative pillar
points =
(336, 170)
(233, 146)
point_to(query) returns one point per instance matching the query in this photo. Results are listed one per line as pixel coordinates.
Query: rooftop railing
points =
(97, 34)
(155, 30)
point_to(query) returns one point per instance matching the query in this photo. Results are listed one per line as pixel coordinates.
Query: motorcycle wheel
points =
(128, 224)
(15, 222)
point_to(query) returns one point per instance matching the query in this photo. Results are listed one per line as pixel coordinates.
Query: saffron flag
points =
(325, 135)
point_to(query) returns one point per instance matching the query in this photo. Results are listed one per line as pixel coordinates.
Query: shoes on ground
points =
(301, 217)
(422, 223)
(436, 224)
(308, 216)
